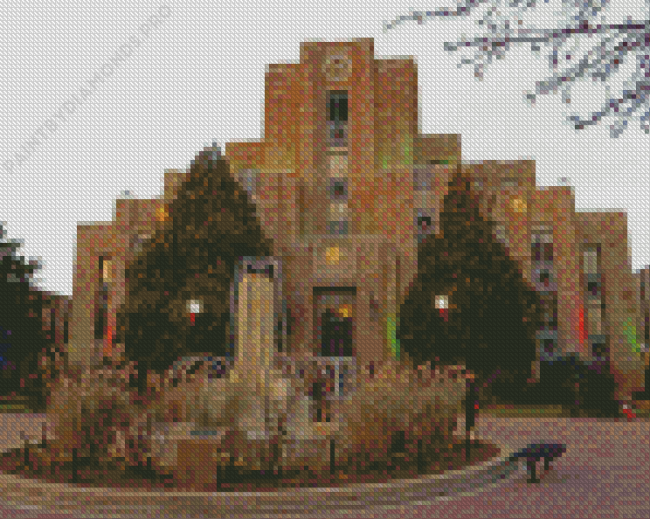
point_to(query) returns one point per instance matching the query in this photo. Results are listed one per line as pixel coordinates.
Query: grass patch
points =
(642, 410)
(21, 404)
(15, 409)
(512, 411)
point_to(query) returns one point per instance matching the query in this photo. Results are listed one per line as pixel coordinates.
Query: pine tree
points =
(22, 340)
(211, 225)
(493, 313)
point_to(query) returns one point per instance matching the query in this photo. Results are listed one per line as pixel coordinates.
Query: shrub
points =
(96, 421)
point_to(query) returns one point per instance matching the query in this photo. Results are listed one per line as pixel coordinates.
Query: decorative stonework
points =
(334, 261)
(518, 205)
(162, 214)
(332, 255)
(337, 67)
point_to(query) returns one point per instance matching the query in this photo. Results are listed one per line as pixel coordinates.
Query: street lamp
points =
(442, 305)
(194, 306)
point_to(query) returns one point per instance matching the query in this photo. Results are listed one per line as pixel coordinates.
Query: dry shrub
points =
(390, 398)
(95, 419)
(183, 389)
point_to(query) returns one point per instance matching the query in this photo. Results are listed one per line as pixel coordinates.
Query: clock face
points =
(338, 67)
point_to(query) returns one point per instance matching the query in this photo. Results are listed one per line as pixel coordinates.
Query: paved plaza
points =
(604, 472)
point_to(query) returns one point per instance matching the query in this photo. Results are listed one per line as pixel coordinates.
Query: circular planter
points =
(28, 494)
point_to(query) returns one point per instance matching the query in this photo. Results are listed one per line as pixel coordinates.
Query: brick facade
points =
(346, 187)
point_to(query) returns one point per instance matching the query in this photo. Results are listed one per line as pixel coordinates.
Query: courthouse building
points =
(346, 187)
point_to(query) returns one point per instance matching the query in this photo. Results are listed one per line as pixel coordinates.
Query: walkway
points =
(604, 472)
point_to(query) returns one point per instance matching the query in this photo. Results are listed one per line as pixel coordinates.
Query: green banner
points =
(393, 341)
(630, 333)
(407, 152)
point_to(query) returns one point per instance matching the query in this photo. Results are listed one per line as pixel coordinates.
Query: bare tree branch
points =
(616, 43)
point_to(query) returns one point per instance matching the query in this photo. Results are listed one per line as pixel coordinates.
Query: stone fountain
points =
(261, 415)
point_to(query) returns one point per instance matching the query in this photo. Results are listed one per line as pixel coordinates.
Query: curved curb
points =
(26, 494)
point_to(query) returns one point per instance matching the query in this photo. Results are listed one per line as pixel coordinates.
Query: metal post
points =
(470, 415)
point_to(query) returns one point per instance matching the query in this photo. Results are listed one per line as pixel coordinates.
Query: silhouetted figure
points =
(471, 410)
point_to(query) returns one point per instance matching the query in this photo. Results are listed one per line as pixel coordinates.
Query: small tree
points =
(22, 340)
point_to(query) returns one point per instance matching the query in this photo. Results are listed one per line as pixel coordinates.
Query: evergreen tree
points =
(492, 312)
(211, 225)
(22, 340)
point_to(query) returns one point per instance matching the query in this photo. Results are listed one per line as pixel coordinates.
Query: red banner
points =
(108, 341)
(583, 333)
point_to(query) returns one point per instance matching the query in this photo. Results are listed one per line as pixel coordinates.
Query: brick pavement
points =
(604, 473)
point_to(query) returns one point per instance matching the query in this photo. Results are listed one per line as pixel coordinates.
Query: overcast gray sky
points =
(196, 75)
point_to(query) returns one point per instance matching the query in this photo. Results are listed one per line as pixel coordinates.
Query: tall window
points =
(65, 329)
(543, 270)
(337, 118)
(338, 106)
(593, 298)
(338, 214)
(541, 248)
(338, 227)
(645, 312)
(336, 338)
(423, 224)
(423, 179)
(334, 320)
(338, 189)
(542, 251)
(52, 334)
(101, 304)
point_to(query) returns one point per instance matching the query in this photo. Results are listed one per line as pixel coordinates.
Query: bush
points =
(580, 387)
(32, 377)
(96, 421)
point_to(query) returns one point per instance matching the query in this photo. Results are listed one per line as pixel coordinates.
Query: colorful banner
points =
(629, 330)
(108, 341)
(393, 341)
(583, 331)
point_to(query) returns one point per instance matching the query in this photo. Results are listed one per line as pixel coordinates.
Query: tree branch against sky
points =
(611, 45)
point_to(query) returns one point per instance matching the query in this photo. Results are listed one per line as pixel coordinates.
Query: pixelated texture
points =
(436, 272)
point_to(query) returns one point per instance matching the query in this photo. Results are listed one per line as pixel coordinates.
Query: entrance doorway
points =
(334, 314)
(334, 310)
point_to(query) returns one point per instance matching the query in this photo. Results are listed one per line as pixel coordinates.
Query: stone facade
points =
(346, 187)
(643, 323)
(643, 293)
